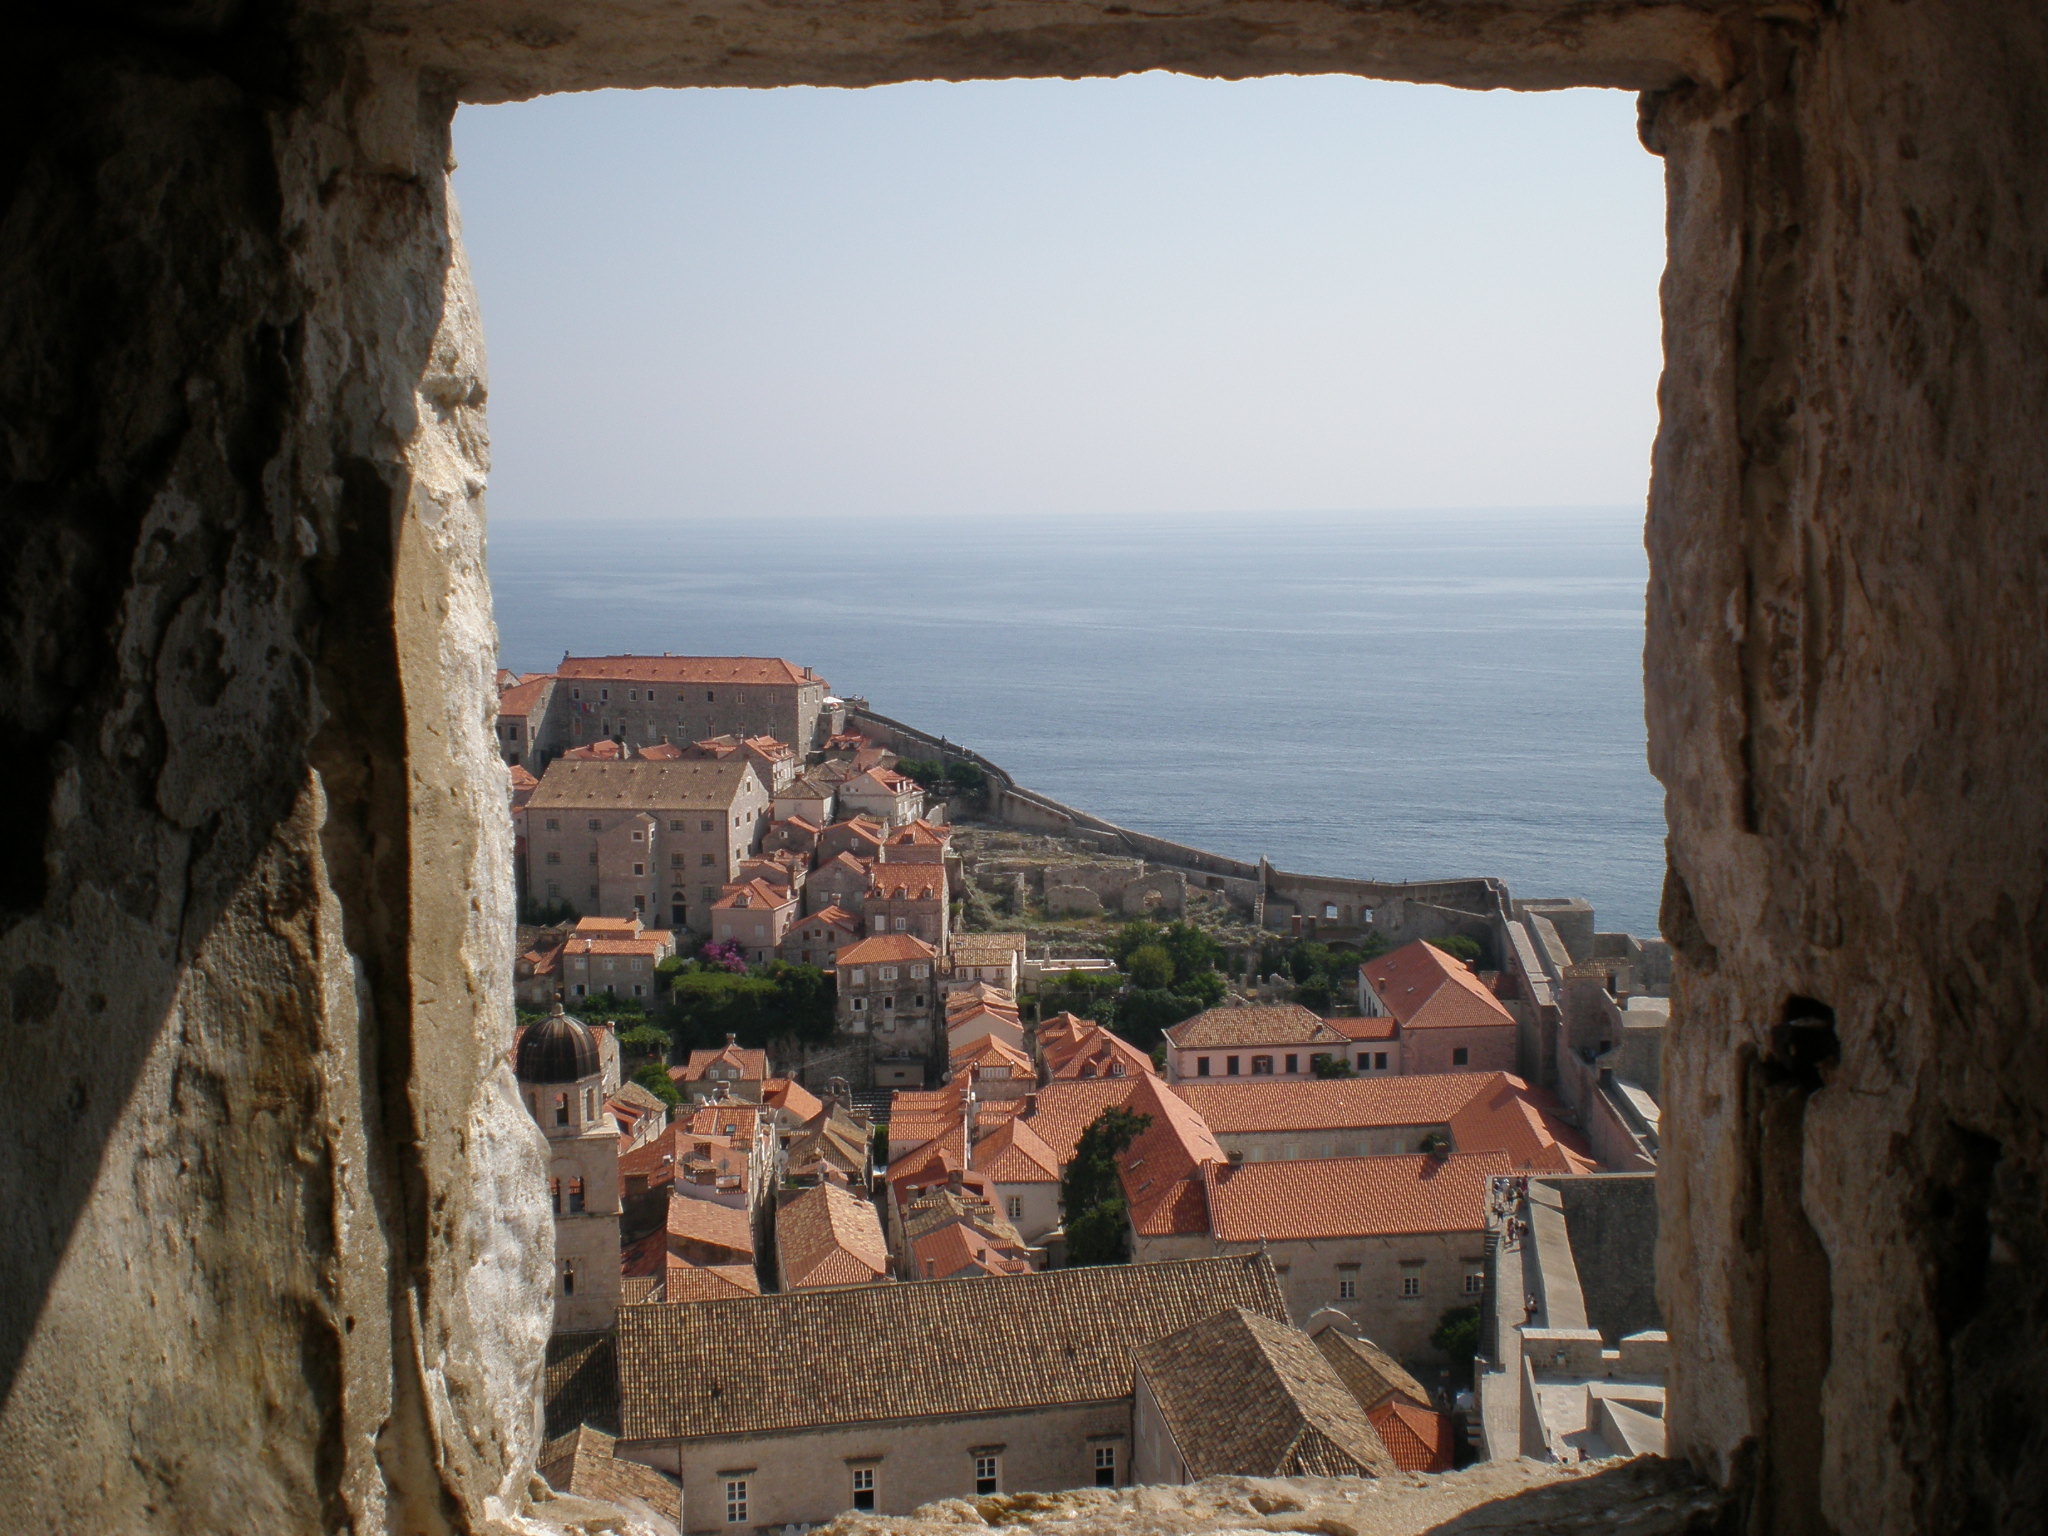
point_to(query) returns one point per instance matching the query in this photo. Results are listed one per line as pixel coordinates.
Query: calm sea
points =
(1389, 695)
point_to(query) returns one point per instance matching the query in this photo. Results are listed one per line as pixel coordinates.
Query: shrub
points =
(1457, 1334)
(1092, 1194)
(654, 1078)
(1150, 966)
(1458, 947)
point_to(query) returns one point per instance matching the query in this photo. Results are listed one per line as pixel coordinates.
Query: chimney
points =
(1236, 1158)
(955, 1180)
(731, 1041)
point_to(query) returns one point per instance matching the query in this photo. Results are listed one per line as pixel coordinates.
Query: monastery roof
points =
(1330, 1197)
(592, 926)
(884, 948)
(639, 785)
(906, 1352)
(1419, 1439)
(828, 1236)
(1245, 1395)
(1275, 1024)
(1370, 1372)
(908, 882)
(747, 671)
(1340, 1103)
(1424, 988)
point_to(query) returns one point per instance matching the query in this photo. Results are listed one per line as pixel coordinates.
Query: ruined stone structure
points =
(275, 1249)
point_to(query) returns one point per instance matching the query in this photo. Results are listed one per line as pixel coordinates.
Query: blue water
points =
(1391, 696)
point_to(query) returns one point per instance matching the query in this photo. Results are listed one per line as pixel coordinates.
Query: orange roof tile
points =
(884, 948)
(706, 1221)
(523, 697)
(1509, 1116)
(1418, 1439)
(958, 1249)
(793, 1099)
(1343, 1103)
(1083, 1050)
(750, 671)
(1278, 1024)
(987, 1051)
(753, 895)
(1331, 1197)
(1064, 1110)
(1424, 988)
(736, 1121)
(908, 882)
(1013, 1153)
(1161, 1170)
(829, 1236)
(752, 1065)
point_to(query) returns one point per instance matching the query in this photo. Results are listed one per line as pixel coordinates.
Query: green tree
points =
(967, 777)
(1150, 966)
(654, 1078)
(1193, 951)
(1092, 1193)
(1457, 1335)
(1332, 1066)
(1134, 935)
(1145, 1013)
(645, 1040)
(1458, 947)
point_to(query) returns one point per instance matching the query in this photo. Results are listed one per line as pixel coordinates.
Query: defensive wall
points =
(1476, 908)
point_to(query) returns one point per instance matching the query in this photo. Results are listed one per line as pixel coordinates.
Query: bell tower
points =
(561, 1077)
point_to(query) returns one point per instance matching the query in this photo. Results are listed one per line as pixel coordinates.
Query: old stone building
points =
(563, 1080)
(243, 477)
(642, 700)
(659, 840)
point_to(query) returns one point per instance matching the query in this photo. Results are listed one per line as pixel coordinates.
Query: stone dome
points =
(559, 1049)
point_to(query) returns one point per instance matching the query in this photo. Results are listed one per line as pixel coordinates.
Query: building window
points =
(554, 890)
(863, 1487)
(1105, 1466)
(575, 693)
(554, 857)
(1329, 910)
(1411, 1285)
(593, 825)
(1201, 1066)
(637, 837)
(710, 697)
(639, 869)
(554, 824)
(555, 1195)
(1347, 1284)
(1475, 1281)
(735, 1501)
(1230, 1066)
(1262, 1066)
(988, 1475)
(633, 694)
(1015, 1206)
(886, 972)
(1379, 1061)
(704, 858)
(1460, 1056)
(593, 855)
(1293, 1064)
(704, 826)
(562, 1105)
(675, 824)
(568, 1277)
(575, 1197)
(676, 861)
(860, 1005)
(902, 923)
(888, 1002)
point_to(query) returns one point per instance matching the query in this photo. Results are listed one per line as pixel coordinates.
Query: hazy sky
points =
(1152, 294)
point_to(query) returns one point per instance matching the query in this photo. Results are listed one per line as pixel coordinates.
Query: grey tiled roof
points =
(989, 1344)
(1370, 1372)
(582, 1383)
(1247, 1396)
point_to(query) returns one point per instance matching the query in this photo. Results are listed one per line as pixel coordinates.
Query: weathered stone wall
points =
(273, 1242)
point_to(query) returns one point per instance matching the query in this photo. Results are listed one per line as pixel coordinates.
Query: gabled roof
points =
(639, 784)
(987, 1052)
(750, 671)
(1424, 988)
(804, 787)
(1245, 1395)
(752, 1064)
(1080, 1049)
(734, 1121)
(832, 916)
(1329, 1197)
(987, 948)
(582, 1463)
(919, 833)
(753, 895)
(1419, 1439)
(522, 781)
(1014, 1153)
(828, 1236)
(1371, 1374)
(706, 1221)
(906, 1352)
(792, 1098)
(1162, 1168)
(1064, 1110)
(1507, 1115)
(843, 863)
(886, 948)
(961, 1248)
(1274, 1024)
(525, 696)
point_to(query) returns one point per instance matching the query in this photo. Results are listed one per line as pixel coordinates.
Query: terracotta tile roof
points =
(735, 1122)
(920, 833)
(1162, 1168)
(1424, 988)
(885, 948)
(979, 995)
(521, 779)
(1330, 1197)
(1244, 1395)
(598, 752)
(987, 1051)
(662, 752)
(1083, 1050)
(651, 1266)
(944, 1347)
(1342, 1103)
(706, 1221)
(638, 785)
(1278, 1024)
(908, 882)
(833, 917)
(829, 1145)
(748, 671)
(581, 1463)
(643, 949)
(1371, 1374)
(524, 696)
(797, 1102)
(581, 1382)
(799, 824)
(1014, 1153)
(753, 1065)
(827, 1236)
(845, 863)
(754, 895)
(1358, 1030)
(593, 926)
(996, 946)
(1064, 1110)
(804, 787)
(960, 1249)
(1507, 1115)
(1419, 1439)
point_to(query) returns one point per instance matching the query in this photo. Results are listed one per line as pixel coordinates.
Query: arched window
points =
(568, 1277)
(555, 1195)
(561, 1109)
(575, 1196)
